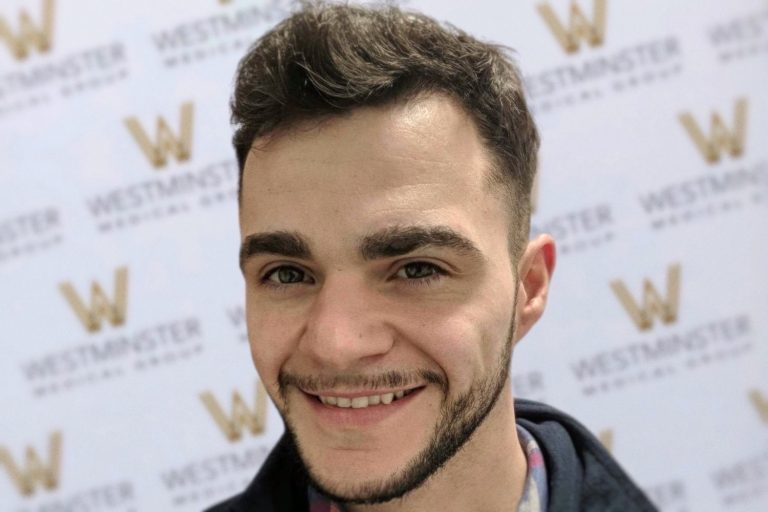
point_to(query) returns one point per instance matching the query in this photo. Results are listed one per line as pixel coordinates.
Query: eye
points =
(420, 272)
(284, 275)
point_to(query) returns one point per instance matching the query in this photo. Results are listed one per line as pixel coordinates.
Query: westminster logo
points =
(242, 417)
(653, 304)
(720, 138)
(100, 307)
(28, 33)
(580, 27)
(34, 471)
(165, 141)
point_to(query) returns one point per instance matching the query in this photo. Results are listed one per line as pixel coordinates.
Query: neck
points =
(488, 472)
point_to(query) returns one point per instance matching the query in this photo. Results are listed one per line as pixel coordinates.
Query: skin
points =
(340, 320)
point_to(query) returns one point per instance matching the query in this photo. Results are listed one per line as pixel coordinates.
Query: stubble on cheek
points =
(456, 422)
(458, 418)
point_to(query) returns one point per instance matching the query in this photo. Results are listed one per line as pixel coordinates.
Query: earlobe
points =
(535, 271)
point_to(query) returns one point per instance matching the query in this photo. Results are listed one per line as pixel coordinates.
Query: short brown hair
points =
(326, 60)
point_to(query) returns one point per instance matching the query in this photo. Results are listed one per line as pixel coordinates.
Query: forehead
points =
(418, 161)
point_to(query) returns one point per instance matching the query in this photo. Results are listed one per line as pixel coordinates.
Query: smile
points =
(362, 402)
(337, 409)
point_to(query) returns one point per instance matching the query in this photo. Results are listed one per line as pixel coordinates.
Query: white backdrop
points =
(121, 303)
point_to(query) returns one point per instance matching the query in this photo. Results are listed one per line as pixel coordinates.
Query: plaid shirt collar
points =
(534, 497)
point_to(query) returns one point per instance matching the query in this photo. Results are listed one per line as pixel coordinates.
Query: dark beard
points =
(457, 422)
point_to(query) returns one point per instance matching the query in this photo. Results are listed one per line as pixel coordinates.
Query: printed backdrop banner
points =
(127, 383)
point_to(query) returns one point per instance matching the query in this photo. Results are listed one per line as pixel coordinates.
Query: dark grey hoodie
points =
(583, 477)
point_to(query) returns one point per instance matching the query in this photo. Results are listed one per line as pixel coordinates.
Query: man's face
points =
(377, 266)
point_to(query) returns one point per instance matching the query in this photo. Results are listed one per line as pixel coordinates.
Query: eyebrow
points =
(387, 243)
(401, 240)
(283, 243)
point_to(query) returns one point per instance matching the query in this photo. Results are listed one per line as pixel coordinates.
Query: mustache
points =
(390, 379)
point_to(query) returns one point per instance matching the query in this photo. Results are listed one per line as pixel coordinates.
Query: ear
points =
(535, 271)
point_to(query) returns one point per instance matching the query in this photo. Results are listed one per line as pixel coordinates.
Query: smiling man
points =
(386, 168)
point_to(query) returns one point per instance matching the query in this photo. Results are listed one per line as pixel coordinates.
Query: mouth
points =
(362, 402)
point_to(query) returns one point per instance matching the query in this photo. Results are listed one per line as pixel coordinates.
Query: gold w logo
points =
(606, 439)
(653, 304)
(29, 33)
(579, 26)
(165, 140)
(101, 307)
(761, 404)
(34, 470)
(242, 417)
(720, 137)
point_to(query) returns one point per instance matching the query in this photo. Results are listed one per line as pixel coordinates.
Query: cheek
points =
(271, 338)
(465, 342)
(453, 344)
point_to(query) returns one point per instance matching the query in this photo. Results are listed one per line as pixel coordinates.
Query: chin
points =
(356, 476)
(348, 470)
(348, 488)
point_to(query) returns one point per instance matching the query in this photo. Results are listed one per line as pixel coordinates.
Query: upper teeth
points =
(363, 401)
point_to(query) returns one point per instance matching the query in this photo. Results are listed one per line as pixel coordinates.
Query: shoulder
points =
(582, 475)
(280, 485)
(225, 506)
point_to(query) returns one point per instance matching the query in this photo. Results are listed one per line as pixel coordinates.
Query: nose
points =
(346, 328)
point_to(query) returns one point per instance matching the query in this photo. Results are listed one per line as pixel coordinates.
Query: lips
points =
(361, 402)
(359, 409)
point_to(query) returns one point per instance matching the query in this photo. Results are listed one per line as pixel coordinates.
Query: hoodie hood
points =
(582, 475)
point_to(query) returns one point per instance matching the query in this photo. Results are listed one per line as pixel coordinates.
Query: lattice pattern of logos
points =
(128, 383)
